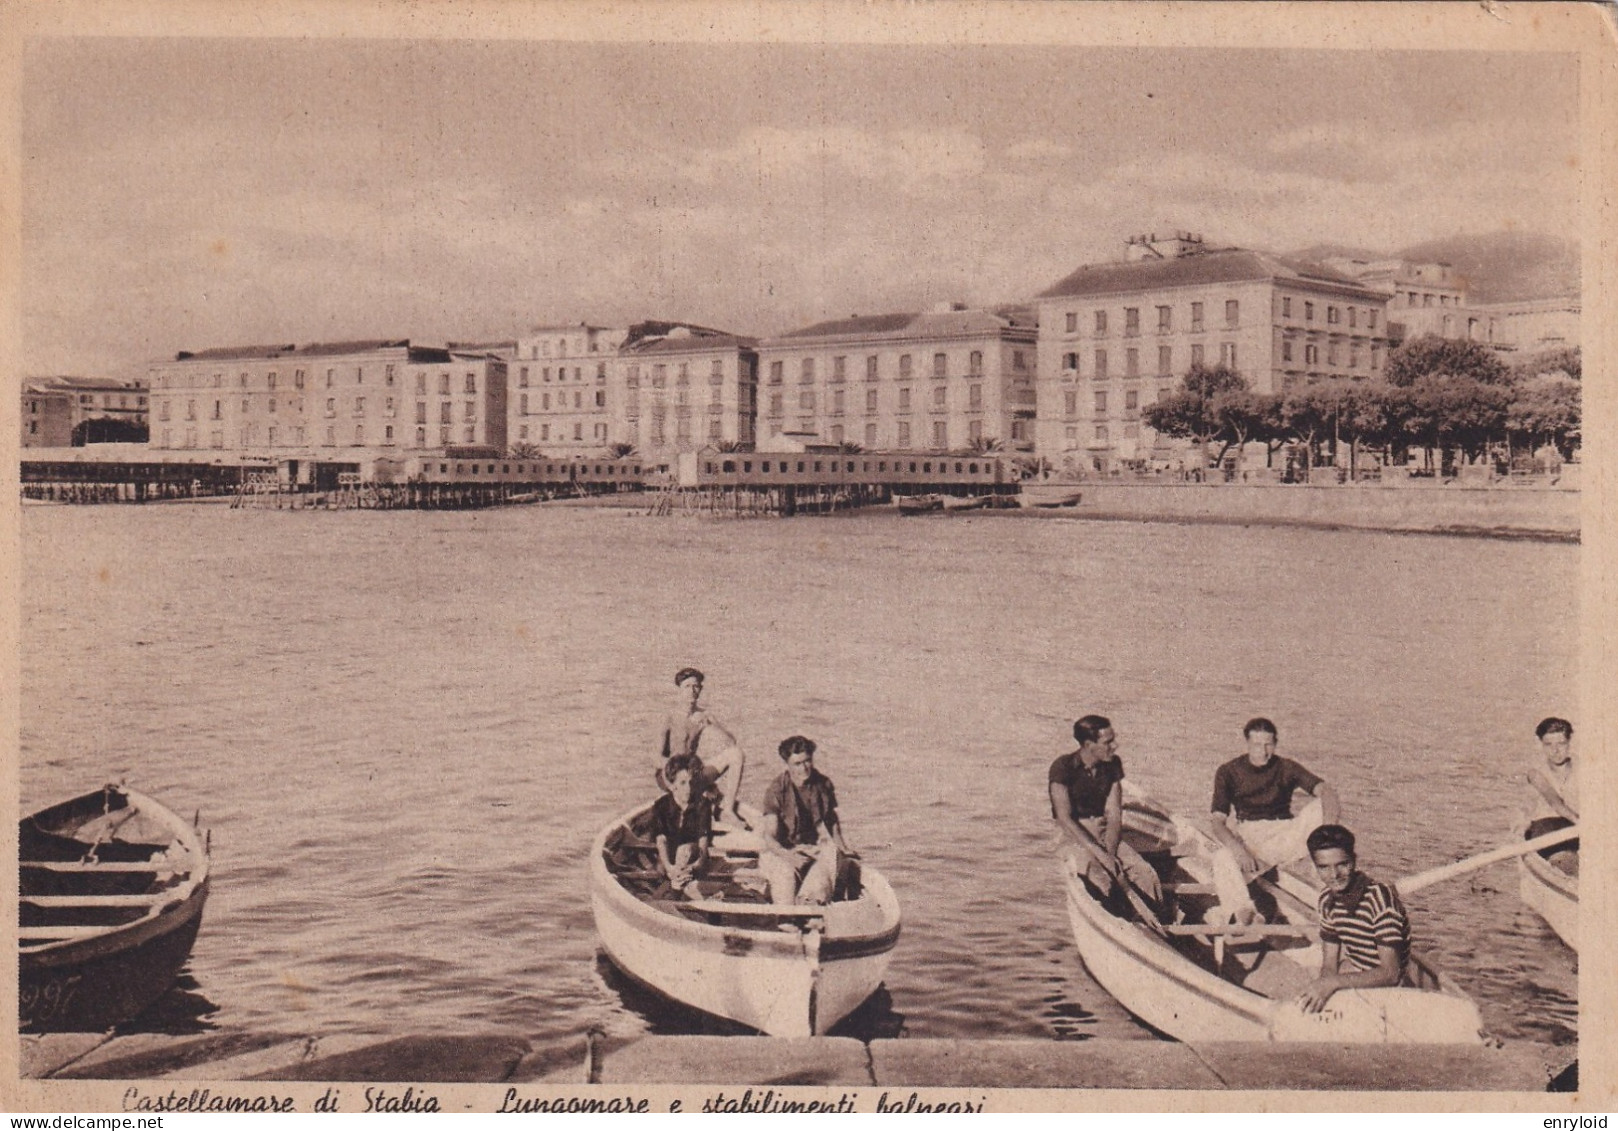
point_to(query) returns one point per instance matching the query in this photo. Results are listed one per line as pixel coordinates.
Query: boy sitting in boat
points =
(1253, 819)
(1557, 784)
(804, 857)
(720, 761)
(682, 824)
(1086, 793)
(1364, 930)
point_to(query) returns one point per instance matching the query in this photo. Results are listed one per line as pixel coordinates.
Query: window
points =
(247, 406)
(716, 429)
(270, 379)
(545, 432)
(578, 400)
(870, 401)
(1131, 400)
(387, 434)
(1354, 355)
(1165, 360)
(974, 363)
(444, 411)
(1070, 364)
(716, 373)
(660, 374)
(1019, 361)
(359, 375)
(1311, 355)
(1331, 354)
(359, 406)
(1131, 321)
(1132, 363)
(522, 404)
(776, 408)
(1353, 317)
(1232, 312)
(632, 377)
(1101, 402)
(443, 383)
(421, 412)
(870, 435)
(1070, 406)
(601, 398)
(1101, 433)
(218, 410)
(1308, 312)
(331, 406)
(421, 382)
(1072, 322)
(839, 368)
(870, 368)
(904, 366)
(522, 378)
(940, 365)
(1165, 319)
(1227, 354)
(1376, 357)
(1286, 349)
(1333, 316)
(387, 379)
(1196, 316)
(940, 396)
(806, 400)
(775, 372)
(1370, 319)
(940, 434)
(1196, 354)
(807, 371)
(601, 370)
(1101, 365)
(837, 402)
(359, 433)
(904, 400)
(421, 437)
(1286, 306)
(272, 404)
(545, 401)
(471, 382)
(1101, 322)
(974, 396)
(682, 376)
(163, 410)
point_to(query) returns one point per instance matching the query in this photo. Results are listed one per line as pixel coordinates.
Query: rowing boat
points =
(1552, 894)
(785, 970)
(111, 887)
(918, 504)
(1197, 982)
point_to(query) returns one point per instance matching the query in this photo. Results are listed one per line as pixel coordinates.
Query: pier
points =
(825, 1062)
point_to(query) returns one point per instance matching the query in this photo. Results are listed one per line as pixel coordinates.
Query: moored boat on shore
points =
(1552, 894)
(918, 504)
(965, 502)
(1198, 982)
(111, 887)
(1036, 494)
(787, 971)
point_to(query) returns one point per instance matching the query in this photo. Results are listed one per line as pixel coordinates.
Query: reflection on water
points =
(404, 728)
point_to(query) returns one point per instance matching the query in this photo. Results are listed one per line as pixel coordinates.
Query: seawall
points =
(1543, 512)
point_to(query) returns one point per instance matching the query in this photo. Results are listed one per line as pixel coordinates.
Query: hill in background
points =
(1499, 266)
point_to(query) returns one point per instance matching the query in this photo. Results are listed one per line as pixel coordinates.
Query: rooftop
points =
(82, 384)
(919, 324)
(1219, 265)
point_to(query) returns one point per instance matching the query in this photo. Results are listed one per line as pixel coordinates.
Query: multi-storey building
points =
(680, 388)
(1114, 337)
(58, 412)
(949, 378)
(277, 401)
(559, 399)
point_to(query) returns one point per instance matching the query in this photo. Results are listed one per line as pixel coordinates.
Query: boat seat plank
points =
(99, 866)
(1257, 930)
(763, 910)
(1191, 889)
(144, 900)
(70, 932)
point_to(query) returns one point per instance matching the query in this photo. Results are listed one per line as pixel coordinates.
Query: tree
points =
(1432, 356)
(1546, 410)
(1567, 362)
(1308, 413)
(108, 430)
(622, 451)
(1453, 411)
(1362, 417)
(1193, 410)
(524, 450)
(986, 444)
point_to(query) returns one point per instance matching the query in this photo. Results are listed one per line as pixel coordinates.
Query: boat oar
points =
(1116, 871)
(1483, 859)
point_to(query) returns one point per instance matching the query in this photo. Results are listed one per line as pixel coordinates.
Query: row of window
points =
(1165, 361)
(1101, 322)
(1334, 314)
(598, 432)
(542, 348)
(873, 369)
(561, 374)
(292, 437)
(272, 380)
(357, 408)
(1335, 354)
(1070, 402)
(805, 466)
(561, 401)
(658, 373)
(837, 403)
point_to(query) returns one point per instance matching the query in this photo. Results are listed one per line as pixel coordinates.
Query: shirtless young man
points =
(690, 730)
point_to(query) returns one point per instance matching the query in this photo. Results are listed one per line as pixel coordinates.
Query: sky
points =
(194, 193)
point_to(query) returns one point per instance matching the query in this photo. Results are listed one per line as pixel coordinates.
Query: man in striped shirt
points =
(1364, 931)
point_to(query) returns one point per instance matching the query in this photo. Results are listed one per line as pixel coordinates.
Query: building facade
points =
(388, 396)
(948, 379)
(559, 397)
(680, 388)
(1115, 337)
(61, 412)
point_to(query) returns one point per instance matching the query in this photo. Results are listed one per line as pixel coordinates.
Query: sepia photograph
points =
(840, 558)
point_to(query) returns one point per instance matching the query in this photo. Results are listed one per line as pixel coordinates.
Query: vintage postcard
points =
(833, 557)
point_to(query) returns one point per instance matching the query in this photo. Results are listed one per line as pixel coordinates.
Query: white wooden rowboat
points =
(787, 971)
(1552, 894)
(111, 887)
(1215, 987)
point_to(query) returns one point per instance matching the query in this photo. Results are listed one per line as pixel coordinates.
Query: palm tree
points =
(524, 450)
(984, 445)
(622, 451)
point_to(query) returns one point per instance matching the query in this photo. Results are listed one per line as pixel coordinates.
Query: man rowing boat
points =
(1364, 929)
(1253, 819)
(1086, 794)
(719, 760)
(1557, 784)
(804, 857)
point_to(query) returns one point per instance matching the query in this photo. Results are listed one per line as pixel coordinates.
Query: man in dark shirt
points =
(1253, 819)
(682, 824)
(1364, 930)
(1086, 794)
(804, 855)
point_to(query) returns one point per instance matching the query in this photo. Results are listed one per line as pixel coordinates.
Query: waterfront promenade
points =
(815, 1062)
